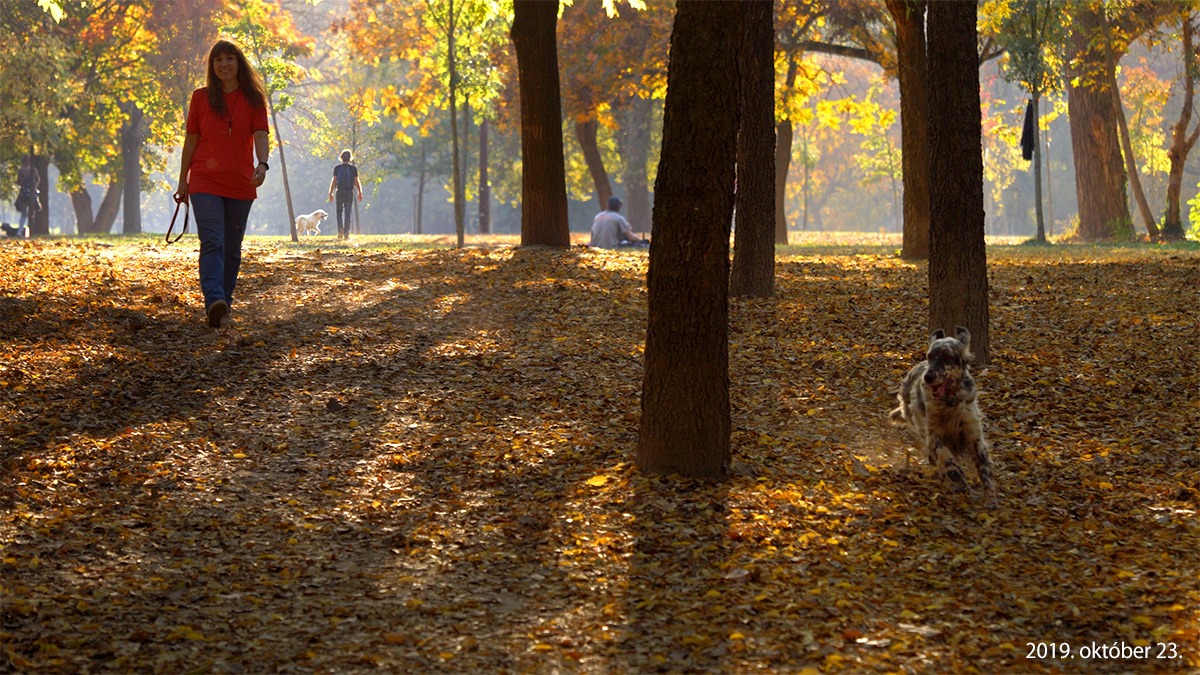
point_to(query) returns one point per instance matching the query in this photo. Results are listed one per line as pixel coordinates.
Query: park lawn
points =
(419, 459)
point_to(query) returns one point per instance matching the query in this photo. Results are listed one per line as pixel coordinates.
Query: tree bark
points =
(421, 187)
(783, 160)
(131, 155)
(543, 176)
(39, 226)
(456, 168)
(1181, 141)
(485, 187)
(634, 145)
(287, 190)
(909, 16)
(958, 291)
(753, 272)
(1037, 172)
(1099, 173)
(85, 220)
(1131, 169)
(783, 164)
(1045, 150)
(110, 206)
(102, 221)
(586, 132)
(685, 426)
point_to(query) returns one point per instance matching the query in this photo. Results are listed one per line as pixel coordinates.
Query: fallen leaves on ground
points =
(422, 461)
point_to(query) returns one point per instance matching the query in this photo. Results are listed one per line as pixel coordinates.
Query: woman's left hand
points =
(260, 175)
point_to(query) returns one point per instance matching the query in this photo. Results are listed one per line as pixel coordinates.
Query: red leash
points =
(187, 212)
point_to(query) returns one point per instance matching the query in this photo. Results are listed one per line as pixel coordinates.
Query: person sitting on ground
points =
(610, 229)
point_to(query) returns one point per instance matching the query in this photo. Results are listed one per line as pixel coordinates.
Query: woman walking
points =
(226, 130)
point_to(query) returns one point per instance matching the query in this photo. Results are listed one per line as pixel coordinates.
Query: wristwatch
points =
(265, 165)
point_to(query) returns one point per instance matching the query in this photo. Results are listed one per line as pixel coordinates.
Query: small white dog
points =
(311, 223)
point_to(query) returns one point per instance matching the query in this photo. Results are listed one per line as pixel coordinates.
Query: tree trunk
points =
(1099, 173)
(753, 272)
(485, 187)
(1037, 172)
(543, 176)
(85, 220)
(909, 16)
(805, 183)
(1181, 141)
(421, 188)
(39, 225)
(685, 427)
(110, 206)
(634, 145)
(456, 169)
(783, 164)
(1131, 169)
(1045, 149)
(585, 133)
(468, 114)
(958, 287)
(287, 190)
(783, 160)
(131, 154)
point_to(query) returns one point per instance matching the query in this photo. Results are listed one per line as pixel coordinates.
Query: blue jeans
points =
(343, 205)
(221, 225)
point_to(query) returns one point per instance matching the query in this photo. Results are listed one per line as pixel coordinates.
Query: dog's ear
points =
(963, 335)
(937, 335)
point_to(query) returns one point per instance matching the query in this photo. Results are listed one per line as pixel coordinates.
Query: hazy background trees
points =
(97, 92)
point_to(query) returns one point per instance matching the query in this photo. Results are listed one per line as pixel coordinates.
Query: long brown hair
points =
(249, 81)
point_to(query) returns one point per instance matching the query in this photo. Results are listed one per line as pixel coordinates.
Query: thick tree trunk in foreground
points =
(753, 271)
(958, 290)
(685, 427)
(543, 176)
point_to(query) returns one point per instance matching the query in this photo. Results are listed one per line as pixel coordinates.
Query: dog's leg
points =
(931, 450)
(983, 466)
(948, 466)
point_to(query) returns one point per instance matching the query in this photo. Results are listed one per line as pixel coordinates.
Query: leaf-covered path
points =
(420, 461)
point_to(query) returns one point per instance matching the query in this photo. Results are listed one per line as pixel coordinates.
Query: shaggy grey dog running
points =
(937, 401)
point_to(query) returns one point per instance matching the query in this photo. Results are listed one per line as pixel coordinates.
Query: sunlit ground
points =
(420, 459)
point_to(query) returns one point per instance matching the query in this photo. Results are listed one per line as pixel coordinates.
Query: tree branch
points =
(838, 50)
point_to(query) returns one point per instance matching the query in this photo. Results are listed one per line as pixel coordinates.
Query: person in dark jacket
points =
(345, 182)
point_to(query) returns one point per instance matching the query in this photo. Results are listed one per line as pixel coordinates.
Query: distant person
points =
(226, 128)
(28, 196)
(345, 182)
(611, 230)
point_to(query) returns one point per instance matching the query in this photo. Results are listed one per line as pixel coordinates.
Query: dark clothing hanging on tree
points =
(1027, 134)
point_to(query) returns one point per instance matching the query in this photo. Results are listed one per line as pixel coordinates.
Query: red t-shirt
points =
(223, 163)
